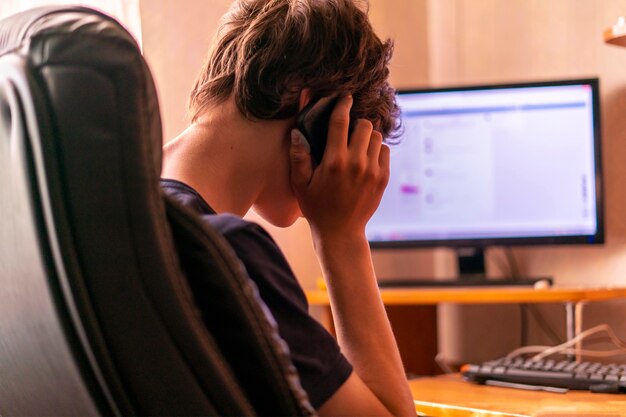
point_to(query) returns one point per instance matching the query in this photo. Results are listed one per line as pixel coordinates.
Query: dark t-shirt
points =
(314, 352)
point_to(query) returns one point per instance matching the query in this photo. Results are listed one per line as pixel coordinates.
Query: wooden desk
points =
(450, 396)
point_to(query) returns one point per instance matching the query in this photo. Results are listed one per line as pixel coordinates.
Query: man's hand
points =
(341, 194)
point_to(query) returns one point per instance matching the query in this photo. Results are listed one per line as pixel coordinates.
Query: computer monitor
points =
(477, 166)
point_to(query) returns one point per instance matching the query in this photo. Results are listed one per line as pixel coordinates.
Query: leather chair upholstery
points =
(97, 314)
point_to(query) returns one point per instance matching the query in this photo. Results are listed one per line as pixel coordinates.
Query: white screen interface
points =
(492, 163)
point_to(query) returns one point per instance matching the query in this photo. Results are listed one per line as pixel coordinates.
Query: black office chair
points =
(97, 309)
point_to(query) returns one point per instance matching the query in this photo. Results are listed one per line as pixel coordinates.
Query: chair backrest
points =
(97, 315)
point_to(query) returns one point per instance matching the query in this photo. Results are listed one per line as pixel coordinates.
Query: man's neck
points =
(223, 156)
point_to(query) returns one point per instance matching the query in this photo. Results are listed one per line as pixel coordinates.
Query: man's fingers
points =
(373, 149)
(338, 126)
(383, 161)
(360, 138)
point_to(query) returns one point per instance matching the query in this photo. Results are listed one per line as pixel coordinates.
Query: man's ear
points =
(305, 98)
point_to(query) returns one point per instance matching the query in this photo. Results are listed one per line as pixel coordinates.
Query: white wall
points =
(176, 37)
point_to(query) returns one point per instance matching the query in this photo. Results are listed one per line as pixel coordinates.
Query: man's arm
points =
(363, 331)
(338, 198)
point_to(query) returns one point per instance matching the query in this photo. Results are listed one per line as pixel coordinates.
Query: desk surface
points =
(450, 396)
(482, 295)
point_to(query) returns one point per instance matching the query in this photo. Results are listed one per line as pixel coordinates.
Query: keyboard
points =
(549, 375)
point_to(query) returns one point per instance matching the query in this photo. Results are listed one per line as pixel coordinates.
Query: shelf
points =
(483, 295)
(616, 34)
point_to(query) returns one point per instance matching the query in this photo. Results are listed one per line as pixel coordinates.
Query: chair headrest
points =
(31, 35)
(18, 29)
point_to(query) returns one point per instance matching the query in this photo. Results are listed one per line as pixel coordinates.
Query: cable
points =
(525, 309)
(538, 348)
(602, 327)
(513, 265)
(523, 324)
(584, 352)
(565, 347)
(527, 349)
(503, 265)
(578, 325)
(508, 268)
(513, 269)
(547, 329)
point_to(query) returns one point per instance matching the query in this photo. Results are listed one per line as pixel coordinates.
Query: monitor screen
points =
(499, 164)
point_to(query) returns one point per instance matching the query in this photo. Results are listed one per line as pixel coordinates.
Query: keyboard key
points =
(570, 367)
(538, 365)
(593, 368)
(582, 366)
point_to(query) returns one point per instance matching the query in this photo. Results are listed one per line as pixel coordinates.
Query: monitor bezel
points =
(597, 238)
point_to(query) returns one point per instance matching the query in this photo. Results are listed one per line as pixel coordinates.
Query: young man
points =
(269, 59)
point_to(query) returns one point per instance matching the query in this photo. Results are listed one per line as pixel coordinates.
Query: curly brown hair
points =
(267, 51)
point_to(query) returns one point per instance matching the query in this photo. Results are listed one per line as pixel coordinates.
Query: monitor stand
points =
(472, 273)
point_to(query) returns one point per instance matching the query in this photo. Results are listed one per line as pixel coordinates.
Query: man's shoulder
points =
(185, 195)
(232, 226)
(228, 225)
